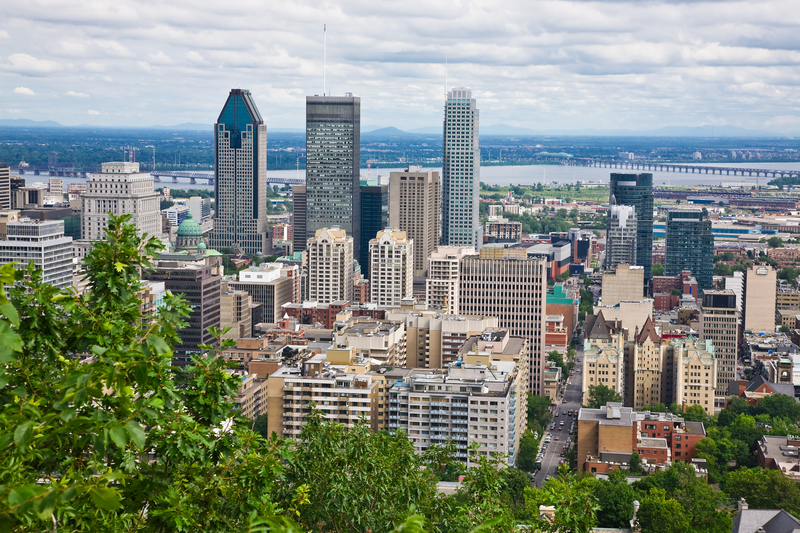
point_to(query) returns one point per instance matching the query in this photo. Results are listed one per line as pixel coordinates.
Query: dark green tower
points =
(690, 246)
(374, 218)
(637, 190)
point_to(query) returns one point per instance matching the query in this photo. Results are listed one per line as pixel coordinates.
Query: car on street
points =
(556, 437)
(547, 478)
(564, 400)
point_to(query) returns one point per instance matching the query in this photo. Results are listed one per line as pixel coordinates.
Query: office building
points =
(120, 189)
(177, 214)
(333, 159)
(330, 266)
(299, 236)
(200, 208)
(719, 323)
(506, 283)
(55, 187)
(637, 190)
(42, 242)
(759, 295)
(199, 284)
(5, 186)
(272, 285)
(689, 246)
(240, 176)
(391, 258)
(624, 284)
(461, 171)
(493, 392)
(441, 284)
(374, 218)
(621, 236)
(415, 207)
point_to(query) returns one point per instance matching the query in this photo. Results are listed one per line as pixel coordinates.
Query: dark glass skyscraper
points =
(637, 190)
(374, 218)
(240, 185)
(690, 246)
(333, 154)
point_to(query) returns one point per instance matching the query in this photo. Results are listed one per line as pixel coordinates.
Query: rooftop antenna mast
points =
(445, 76)
(324, 58)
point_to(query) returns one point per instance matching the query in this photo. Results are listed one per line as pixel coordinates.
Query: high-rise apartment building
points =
(120, 189)
(42, 242)
(55, 187)
(695, 373)
(603, 357)
(329, 259)
(760, 288)
(333, 154)
(719, 323)
(391, 258)
(441, 284)
(621, 236)
(506, 283)
(637, 190)
(5, 186)
(645, 367)
(240, 186)
(374, 218)
(415, 207)
(461, 171)
(236, 313)
(299, 236)
(624, 284)
(271, 285)
(689, 246)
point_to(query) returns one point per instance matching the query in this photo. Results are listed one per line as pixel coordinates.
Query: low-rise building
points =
(382, 341)
(781, 454)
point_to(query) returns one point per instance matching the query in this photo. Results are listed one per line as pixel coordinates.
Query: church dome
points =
(189, 228)
(202, 246)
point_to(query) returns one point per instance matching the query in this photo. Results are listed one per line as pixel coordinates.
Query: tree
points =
(778, 405)
(575, 505)
(721, 269)
(695, 413)
(636, 463)
(528, 450)
(96, 430)
(763, 489)
(658, 269)
(775, 242)
(657, 514)
(539, 411)
(615, 498)
(600, 395)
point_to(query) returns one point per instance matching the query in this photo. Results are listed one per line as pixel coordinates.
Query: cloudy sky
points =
(536, 64)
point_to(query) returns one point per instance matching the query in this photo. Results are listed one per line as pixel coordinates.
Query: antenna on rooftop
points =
(324, 57)
(445, 76)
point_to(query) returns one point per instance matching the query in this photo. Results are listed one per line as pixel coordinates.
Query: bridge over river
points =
(677, 167)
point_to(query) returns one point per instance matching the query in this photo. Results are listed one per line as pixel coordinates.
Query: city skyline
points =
(555, 65)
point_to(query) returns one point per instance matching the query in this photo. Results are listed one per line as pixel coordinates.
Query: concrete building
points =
(5, 186)
(503, 230)
(299, 214)
(630, 315)
(780, 453)
(374, 218)
(760, 282)
(621, 236)
(695, 373)
(461, 171)
(604, 358)
(42, 242)
(10, 215)
(646, 368)
(506, 283)
(329, 266)
(391, 257)
(382, 341)
(236, 312)
(736, 284)
(441, 285)
(563, 300)
(120, 189)
(270, 284)
(55, 187)
(689, 246)
(624, 284)
(433, 339)
(787, 298)
(434, 407)
(719, 323)
(333, 162)
(240, 179)
(415, 207)
(637, 190)
(176, 214)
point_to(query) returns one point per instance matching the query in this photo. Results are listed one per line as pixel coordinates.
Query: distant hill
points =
(28, 123)
(186, 126)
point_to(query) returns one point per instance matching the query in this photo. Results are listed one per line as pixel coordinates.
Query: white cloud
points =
(23, 90)
(92, 112)
(4, 34)
(28, 65)
(78, 95)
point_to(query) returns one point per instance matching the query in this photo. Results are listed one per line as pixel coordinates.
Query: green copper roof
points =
(559, 296)
(190, 228)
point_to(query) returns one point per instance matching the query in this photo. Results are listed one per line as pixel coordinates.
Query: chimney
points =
(741, 505)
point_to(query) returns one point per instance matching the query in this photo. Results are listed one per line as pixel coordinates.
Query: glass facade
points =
(374, 218)
(690, 246)
(637, 190)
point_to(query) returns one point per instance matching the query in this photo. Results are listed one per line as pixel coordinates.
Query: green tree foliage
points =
(539, 415)
(97, 433)
(722, 269)
(658, 269)
(636, 463)
(615, 498)
(763, 489)
(600, 395)
(528, 450)
(575, 504)
(657, 514)
(775, 242)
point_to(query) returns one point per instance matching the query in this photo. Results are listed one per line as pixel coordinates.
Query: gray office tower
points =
(240, 184)
(461, 171)
(333, 154)
(637, 190)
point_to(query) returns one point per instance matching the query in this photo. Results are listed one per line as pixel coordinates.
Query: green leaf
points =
(119, 436)
(10, 313)
(106, 499)
(9, 337)
(47, 505)
(136, 432)
(23, 433)
(68, 414)
(119, 266)
(5, 440)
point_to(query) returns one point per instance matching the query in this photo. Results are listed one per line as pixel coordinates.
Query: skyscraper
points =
(760, 288)
(414, 207)
(637, 190)
(461, 171)
(333, 153)
(374, 218)
(5, 186)
(621, 238)
(719, 322)
(240, 144)
(690, 246)
(298, 218)
(391, 257)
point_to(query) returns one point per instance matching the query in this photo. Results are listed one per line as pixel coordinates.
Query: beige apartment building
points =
(719, 323)
(383, 341)
(787, 299)
(503, 230)
(235, 312)
(695, 373)
(415, 207)
(441, 285)
(329, 266)
(760, 284)
(630, 315)
(391, 267)
(645, 360)
(604, 364)
(433, 338)
(251, 398)
(271, 285)
(496, 344)
(624, 284)
(506, 283)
